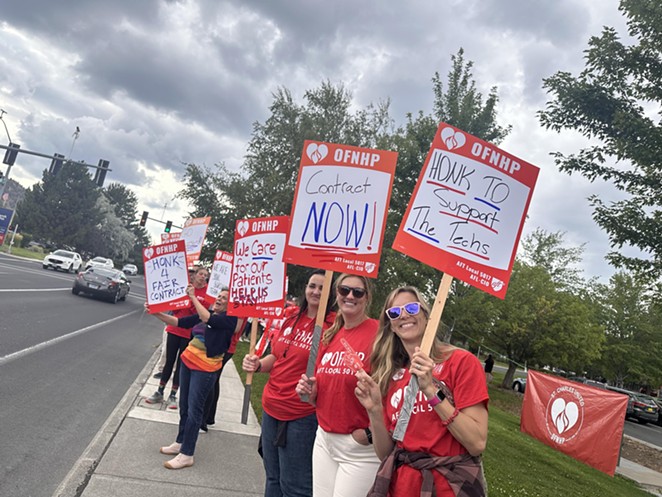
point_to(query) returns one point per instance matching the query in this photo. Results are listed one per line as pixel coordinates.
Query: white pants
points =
(342, 467)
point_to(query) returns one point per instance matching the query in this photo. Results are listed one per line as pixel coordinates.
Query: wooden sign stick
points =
(319, 322)
(249, 376)
(426, 346)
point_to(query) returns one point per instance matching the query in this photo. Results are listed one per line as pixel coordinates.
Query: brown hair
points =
(388, 352)
(340, 320)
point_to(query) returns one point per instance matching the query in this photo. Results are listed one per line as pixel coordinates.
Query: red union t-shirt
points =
(338, 409)
(201, 294)
(463, 375)
(291, 347)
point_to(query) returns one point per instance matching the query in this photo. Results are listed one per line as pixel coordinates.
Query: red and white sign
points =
(581, 421)
(170, 237)
(193, 234)
(466, 214)
(257, 282)
(166, 277)
(219, 276)
(340, 207)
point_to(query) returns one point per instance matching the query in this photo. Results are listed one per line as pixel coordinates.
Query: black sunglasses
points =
(412, 309)
(359, 293)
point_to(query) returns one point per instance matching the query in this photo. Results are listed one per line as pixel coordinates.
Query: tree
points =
(125, 205)
(62, 208)
(609, 103)
(633, 349)
(112, 237)
(265, 186)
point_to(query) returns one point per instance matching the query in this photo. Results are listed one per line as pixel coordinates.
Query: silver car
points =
(64, 260)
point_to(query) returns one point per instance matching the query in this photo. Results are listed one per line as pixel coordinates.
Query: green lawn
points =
(21, 252)
(515, 464)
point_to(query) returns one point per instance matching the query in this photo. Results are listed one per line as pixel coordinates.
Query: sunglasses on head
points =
(412, 309)
(359, 293)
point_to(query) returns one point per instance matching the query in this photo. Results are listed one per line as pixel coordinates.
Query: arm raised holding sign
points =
(448, 421)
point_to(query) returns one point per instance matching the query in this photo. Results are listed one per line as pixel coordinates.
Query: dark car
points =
(658, 401)
(640, 407)
(109, 284)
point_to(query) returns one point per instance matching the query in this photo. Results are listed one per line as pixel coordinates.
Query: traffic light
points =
(168, 226)
(143, 220)
(56, 164)
(102, 170)
(11, 153)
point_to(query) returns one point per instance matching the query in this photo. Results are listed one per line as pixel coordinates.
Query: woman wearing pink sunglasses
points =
(447, 431)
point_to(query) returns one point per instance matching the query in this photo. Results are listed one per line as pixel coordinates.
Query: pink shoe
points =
(171, 450)
(179, 462)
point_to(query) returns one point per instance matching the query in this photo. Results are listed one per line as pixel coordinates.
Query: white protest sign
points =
(166, 276)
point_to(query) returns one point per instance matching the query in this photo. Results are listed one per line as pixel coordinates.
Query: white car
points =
(130, 269)
(64, 260)
(100, 262)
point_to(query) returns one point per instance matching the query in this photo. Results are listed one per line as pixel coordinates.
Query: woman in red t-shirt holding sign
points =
(447, 430)
(289, 425)
(344, 462)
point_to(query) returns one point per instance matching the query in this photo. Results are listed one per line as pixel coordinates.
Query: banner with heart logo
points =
(581, 421)
(466, 213)
(166, 276)
(219, 277)
(257, 276)
(340, 206)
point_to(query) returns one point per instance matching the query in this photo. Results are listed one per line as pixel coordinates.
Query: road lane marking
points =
(35, 348)
(13, 290)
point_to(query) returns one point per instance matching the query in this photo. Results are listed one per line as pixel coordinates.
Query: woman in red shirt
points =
(344, 463)
(289, 425)
(447, 430)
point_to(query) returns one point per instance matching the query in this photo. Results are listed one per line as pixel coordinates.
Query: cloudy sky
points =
(155, 83)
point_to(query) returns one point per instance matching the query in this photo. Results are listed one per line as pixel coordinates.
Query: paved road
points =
(65, 362)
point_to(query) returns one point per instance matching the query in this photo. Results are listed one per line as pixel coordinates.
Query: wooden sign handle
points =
(435, 314)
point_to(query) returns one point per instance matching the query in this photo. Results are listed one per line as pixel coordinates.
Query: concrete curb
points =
(77, 479)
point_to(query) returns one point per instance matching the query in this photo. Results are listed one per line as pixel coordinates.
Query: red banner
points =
(581, 421)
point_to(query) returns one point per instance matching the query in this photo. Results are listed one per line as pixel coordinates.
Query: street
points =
(65, 362)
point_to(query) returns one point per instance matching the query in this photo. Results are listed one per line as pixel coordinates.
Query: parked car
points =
(130, 269)
(100, 262)
(519, 384)
(658, 401)
(586, 381)
(64, 260)
(109, 284)
(640, 406)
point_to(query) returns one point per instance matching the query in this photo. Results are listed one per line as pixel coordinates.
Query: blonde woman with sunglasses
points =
(447, 431)
(344, 462)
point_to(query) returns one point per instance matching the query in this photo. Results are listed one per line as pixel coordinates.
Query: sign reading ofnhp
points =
(257, 281)
(166, 276)
(219, 276)
(193, 234)
(170, 237)
(466, 214)
(340, 207)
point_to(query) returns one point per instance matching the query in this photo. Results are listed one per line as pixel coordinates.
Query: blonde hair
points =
(388, 352)
(340, 320)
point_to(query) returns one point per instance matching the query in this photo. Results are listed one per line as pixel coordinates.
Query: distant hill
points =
(14, 193)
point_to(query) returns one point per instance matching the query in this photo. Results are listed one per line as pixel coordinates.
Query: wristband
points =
(446, 422)
(437, 399)
(368, 434)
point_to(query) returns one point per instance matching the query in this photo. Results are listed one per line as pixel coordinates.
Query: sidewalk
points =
(123, 460)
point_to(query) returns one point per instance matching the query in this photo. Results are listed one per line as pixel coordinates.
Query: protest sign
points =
(466, 214)
(257, 281)
(193, 234)
(340, 207)
(219, 276)
(5, 221)
(166, 277)
(170, 237)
